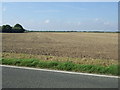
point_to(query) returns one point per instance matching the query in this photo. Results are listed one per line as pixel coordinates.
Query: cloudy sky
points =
(62, 15)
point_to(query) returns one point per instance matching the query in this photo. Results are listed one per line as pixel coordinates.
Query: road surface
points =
(28, 78)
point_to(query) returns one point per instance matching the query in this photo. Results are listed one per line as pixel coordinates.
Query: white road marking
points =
(29, 68)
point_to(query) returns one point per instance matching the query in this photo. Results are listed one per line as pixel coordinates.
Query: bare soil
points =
(68, 44)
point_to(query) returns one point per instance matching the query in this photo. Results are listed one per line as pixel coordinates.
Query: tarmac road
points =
(28, 78)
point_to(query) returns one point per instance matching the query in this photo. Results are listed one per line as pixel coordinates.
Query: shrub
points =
(16, 29)
(6, 28)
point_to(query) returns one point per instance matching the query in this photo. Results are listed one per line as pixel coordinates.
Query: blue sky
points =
(62, 15)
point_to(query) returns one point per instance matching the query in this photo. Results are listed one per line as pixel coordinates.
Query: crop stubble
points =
(69, 44)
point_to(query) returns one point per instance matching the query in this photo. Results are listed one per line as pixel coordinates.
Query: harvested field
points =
(68, 44)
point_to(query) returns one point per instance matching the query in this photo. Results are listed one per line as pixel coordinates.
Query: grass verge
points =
(68, 66)
(86, 61)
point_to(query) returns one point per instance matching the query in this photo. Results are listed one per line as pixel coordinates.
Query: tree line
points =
(15, 29)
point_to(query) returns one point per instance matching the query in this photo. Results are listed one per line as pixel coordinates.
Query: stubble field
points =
(68, 44)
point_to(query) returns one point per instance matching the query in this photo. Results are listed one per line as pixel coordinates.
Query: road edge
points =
(59, 71)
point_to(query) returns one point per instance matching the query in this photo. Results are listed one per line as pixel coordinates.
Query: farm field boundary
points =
(111, 69)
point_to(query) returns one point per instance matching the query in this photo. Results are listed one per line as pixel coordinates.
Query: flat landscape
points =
(70, 51)
(60, 45)
(68, 44)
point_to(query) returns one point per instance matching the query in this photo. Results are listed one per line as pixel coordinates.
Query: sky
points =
(62, 16)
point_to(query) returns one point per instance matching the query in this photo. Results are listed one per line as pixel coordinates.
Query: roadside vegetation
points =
(67, 64)
(100, 62)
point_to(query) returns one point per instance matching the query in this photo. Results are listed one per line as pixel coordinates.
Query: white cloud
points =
(100, 20)
(47, 21)
(79, 23)
(106, 23)
(97, 19)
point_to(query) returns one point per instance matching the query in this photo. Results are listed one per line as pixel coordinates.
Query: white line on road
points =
(29, 68)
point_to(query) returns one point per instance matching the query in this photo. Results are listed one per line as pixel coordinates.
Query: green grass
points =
(68, 66)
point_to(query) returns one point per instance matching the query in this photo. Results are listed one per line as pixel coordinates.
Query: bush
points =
(16, 29)
(6, 28)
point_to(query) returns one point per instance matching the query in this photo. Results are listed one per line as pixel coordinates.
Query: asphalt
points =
(24, 78)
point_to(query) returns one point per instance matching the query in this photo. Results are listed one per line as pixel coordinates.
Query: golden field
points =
(68, 44)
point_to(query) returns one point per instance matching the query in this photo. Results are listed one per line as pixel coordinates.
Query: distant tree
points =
(6, 28)
(18, 28)
(0, 28)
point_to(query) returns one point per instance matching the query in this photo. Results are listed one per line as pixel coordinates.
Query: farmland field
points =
(68, 44)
